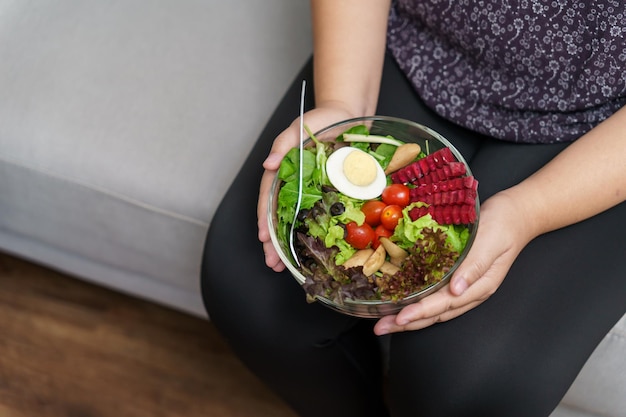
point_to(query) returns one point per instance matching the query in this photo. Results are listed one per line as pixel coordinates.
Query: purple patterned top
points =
(531, 71)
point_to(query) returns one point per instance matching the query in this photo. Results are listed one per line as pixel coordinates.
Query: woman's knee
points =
(487, 376)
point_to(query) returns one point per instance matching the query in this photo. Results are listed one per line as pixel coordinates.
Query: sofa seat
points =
(123, 122)
(600, 388)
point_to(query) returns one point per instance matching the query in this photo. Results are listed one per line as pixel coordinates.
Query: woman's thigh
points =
(236, 283)
(518, 352)
(308, 354)
(293, 346)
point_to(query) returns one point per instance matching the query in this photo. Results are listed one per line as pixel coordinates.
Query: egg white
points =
(336, 176)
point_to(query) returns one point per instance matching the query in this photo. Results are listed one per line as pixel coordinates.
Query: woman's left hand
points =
(502, 234)
(543, 202)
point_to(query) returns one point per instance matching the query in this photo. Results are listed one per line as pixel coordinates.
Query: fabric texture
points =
(600, 387)
(514, 355)
(523, 71)
(122, 124)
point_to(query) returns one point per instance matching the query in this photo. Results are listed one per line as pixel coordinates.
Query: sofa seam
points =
(105, 191)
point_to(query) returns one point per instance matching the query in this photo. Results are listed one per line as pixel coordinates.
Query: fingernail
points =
(460, 285)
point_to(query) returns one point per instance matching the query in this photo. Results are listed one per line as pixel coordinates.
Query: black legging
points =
(514, 355)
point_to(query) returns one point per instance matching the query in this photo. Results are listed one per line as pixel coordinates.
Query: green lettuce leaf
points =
(410, 231)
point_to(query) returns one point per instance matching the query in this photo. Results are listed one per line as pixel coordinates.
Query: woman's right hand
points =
(344, 86)
(315, 120)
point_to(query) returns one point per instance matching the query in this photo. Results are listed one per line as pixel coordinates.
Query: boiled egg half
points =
(355, 173)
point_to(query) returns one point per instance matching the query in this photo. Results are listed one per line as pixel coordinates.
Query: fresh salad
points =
(379, 219)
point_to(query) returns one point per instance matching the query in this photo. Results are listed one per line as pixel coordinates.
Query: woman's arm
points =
(585, 179)
(349, 39)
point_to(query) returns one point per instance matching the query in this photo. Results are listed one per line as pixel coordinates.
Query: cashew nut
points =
(358, 258)
(404, 155)
(375, 261)
(389, 268)
(396, 253)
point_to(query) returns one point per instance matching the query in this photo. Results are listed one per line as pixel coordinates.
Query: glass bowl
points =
(403, 130)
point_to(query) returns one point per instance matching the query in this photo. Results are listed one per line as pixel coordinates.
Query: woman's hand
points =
(315, 120)
(505, 227)
(343, 90)
(495, 247)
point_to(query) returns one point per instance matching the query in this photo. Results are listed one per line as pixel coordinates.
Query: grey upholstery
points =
(123, 122)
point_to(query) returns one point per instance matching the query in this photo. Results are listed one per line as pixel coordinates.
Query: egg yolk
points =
(359, 168)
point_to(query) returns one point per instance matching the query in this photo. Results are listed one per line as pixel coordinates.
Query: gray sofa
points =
(123, 122)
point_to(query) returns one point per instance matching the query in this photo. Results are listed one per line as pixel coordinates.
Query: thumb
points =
(286, 140)
(458, 284)
(479, 260)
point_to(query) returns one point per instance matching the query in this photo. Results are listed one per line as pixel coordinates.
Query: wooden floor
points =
(71, 349)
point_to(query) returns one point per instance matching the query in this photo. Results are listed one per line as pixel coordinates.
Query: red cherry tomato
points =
(360, 237)
(390, 216)
(380, 231)
(372, 210)
(396, 194)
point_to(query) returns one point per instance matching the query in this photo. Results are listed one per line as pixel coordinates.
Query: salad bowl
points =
(350, 302)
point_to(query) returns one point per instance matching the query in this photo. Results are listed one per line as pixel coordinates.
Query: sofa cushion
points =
(600, 388)
(122, 124)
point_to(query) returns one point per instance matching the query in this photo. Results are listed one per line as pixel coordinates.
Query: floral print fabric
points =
(536, 71)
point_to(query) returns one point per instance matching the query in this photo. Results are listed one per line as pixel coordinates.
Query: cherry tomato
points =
(390, 216)
(372, 210)
(380, 231)
(360, 237)
(396, 194)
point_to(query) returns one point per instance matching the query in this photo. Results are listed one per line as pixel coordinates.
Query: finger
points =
(426, 312)
(440, 306)
(388, 324)
(272, 259)
(438, 303)
(428, 307)
(282, 144)
(445, 315)
(385, 325)
(264, 190)
(482, 257)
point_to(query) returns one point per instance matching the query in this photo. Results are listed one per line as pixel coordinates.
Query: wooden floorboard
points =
(72, 349)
